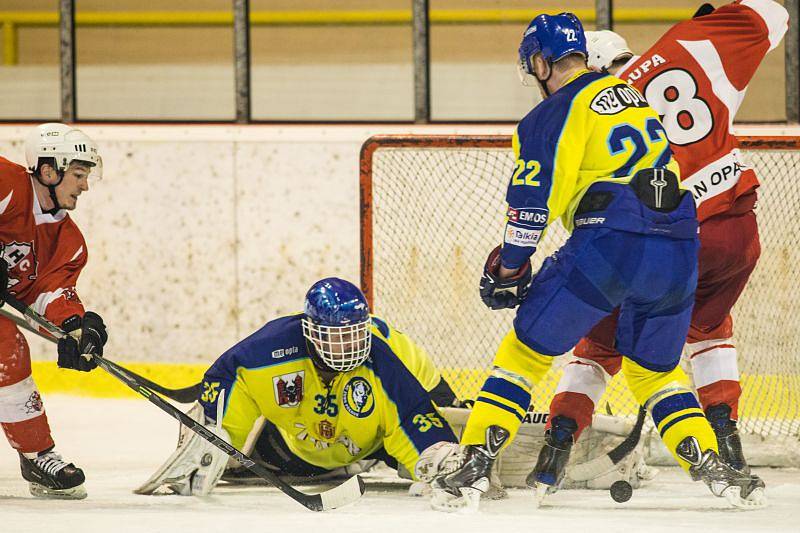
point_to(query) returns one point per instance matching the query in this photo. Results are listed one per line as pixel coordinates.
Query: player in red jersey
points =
(42, 253)
(695, 77)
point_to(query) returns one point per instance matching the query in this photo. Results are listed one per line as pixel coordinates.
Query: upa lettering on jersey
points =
(534, 218)
(716, 178)
(612, 100)
(289, 388)
(522, 236)
(357, 398)
(648, 64)
(21, 261)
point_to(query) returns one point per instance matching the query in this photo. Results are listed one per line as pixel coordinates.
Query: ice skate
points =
(745, 491)
(51, 477)
(551, 466)
(462, 489)
(728, 440)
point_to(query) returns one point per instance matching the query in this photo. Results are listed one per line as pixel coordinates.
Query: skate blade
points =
(756, 500)
(75, 493)
(541, 491)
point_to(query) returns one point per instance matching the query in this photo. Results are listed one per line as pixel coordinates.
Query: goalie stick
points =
(183, 395)
(348, 492)
(605, 463)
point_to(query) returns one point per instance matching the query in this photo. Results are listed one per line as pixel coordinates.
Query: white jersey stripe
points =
(775, 17)
(708, 58)
(20, 401)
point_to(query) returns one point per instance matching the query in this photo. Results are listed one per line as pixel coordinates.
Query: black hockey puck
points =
(621, 491)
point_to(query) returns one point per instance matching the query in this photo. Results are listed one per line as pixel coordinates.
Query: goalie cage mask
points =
(337, 324)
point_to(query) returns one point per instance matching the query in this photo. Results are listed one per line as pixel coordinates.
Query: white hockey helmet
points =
(64, 144)
(605, 47)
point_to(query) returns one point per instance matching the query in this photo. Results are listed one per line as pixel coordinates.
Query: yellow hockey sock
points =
(674, 408)
(506, 394)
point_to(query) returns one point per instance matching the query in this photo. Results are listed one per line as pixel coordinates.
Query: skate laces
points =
(51, 463)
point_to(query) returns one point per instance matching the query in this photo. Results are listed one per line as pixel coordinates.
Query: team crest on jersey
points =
(288, 388)
(612, 100)
(326, 430)
(357, 398)
(34, 403)
(21, 260)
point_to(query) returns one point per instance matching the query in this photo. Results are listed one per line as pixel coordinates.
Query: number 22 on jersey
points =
(627, 138)
(525, 173)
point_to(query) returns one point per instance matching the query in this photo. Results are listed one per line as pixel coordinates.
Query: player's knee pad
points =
(579, 390)
(712, 360)
(503, 401)
(673, 407)
(514, 356)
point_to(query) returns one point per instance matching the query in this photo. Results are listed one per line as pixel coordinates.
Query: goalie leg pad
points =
(196, 465)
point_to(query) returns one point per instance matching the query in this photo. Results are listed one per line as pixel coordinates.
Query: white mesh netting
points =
(437, 211)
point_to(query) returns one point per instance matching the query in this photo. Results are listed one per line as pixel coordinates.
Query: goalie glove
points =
(503, 293)
(437, 460)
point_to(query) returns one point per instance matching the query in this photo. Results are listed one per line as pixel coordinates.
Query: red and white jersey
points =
(695, 77)
(45, 253)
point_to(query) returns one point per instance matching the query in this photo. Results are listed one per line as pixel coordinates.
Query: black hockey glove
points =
(702, 11)
(3, 280)
(92, 339)
(506, 293)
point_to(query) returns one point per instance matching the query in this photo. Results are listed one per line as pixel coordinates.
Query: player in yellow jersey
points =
(594, 154)
(333, 386)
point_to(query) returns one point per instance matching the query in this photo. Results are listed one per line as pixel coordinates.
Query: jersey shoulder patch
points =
(278, 341)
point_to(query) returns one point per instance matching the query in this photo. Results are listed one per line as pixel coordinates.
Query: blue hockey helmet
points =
(337, 324)
(554, 36)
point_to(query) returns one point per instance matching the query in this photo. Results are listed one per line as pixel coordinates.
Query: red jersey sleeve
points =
(742, 33)
(54, 293)
(11, 201)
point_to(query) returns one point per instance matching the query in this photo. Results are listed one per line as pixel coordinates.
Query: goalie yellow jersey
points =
(382, 404)
(594, 128)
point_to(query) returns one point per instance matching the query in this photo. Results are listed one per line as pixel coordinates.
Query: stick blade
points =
(348, 492)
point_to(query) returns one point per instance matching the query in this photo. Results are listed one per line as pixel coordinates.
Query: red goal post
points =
(431, 208)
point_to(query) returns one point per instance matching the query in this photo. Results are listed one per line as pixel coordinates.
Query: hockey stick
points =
(184, 395)
(348, 492)
(607, 462)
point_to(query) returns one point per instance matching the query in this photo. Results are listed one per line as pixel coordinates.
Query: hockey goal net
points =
(432, 208)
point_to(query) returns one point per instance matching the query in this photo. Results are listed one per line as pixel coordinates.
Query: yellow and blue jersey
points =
(594, 128)
(382, 404)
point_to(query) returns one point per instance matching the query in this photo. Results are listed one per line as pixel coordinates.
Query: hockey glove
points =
(3, 280)
(499, 293)
(92, 338)
(702, 11)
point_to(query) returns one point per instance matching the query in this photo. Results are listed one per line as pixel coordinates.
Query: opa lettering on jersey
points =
(613, 100)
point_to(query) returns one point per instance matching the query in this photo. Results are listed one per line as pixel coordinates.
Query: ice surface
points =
(120, 442)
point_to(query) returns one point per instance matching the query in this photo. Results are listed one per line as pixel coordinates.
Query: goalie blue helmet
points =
(337, 324)
(554, 36)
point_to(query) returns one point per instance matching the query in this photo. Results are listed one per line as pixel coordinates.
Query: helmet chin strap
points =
(543, 83)
(52, 190)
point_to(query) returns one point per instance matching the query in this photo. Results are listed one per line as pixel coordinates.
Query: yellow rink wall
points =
(764, 397)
